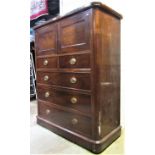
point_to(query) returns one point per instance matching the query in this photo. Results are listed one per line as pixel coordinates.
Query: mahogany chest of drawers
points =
(78, 76)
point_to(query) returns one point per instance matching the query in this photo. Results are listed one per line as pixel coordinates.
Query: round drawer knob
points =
(46, 77)
(45, 62)
(48, 111)
(47, 94)
(72, 61)
(74, 121)
(73, 100)
(73, 80)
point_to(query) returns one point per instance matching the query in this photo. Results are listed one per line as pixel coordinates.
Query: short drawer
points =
(72, 121)
(72, 100)
(48, 62)
(49, 78)
(75, 61)
(71, 80)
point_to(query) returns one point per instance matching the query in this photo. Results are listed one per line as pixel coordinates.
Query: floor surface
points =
(44, 141)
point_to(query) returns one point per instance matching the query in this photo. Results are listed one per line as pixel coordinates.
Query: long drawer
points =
(72, 100)
(65, 79)
(71, 121)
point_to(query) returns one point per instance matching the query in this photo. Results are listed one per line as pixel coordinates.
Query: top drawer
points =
(46, 40)
(75, 32)
(75, 61)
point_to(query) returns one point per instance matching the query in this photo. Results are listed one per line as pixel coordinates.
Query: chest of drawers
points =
(78, 76)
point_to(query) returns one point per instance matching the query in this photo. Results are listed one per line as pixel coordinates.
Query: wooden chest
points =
(78, 76)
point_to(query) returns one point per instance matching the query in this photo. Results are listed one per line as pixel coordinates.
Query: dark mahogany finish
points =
(64, 98)
(72, 121)
(77, 27)
(78, 76)
(51, 62)
(82, 61)
(64, 79)
(47, 40)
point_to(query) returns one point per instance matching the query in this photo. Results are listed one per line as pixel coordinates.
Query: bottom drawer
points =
(74, 122)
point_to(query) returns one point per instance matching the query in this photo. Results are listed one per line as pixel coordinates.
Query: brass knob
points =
(73, 100)
(45, 62)
(46, 77)
(47, 94)
(48, 111)
(72, 61)
(73, 80)
(74, 121)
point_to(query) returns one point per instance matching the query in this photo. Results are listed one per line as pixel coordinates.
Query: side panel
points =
(107, 72)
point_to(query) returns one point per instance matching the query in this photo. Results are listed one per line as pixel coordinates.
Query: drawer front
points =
(45, 93)
(75, 32)
(75, 80)
(71, 80)
(74, 122)
(72, 100)
(75, 61)
(46, 40)
(49, 78)
(48, 62)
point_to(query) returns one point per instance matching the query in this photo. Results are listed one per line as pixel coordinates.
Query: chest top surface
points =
(92, 5)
